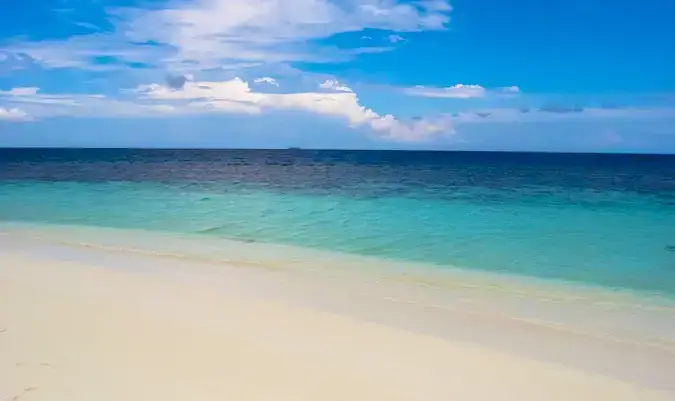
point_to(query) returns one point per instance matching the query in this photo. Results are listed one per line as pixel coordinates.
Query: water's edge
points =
(548, 302)
(542, 319)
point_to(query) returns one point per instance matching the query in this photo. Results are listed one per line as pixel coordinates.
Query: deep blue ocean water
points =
(605, 220)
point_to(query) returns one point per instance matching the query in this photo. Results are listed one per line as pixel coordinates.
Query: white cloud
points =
(235, 96)
(435, 5)
(28, 104)
(88, 26)
(396, 38)
(162, 108)
(83, 52)
(30, 95)
(459, 91)
(267, 80)
(22, 91)
(232, 96)
(207, 34)
(510, 89)
(14, 114)
(334, 85)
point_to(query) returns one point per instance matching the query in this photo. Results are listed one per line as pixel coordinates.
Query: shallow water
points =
(589, 219)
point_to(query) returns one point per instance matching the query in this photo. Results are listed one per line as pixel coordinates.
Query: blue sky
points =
(594, 75)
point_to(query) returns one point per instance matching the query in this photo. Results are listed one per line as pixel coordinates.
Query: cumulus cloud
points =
(331, 84)
(205, 34)
(236, 96)
(266, 80)
(14, 114)
(187, 96)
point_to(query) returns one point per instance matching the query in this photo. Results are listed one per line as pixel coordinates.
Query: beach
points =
(335, 275)
(83, 324)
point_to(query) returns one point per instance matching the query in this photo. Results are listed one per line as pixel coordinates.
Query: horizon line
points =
(302, 149)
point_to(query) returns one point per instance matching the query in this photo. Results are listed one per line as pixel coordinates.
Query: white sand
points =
(77, 331)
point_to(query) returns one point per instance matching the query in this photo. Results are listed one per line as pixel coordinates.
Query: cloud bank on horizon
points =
(338, 73)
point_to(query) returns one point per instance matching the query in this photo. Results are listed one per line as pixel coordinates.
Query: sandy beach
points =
(94, 329)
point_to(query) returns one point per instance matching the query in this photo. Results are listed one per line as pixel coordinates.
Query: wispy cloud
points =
(208, 34)
(396, 38)
(510, 90)
(459, 91)
(30, 104)
(95, 52)
(266, 80)
(31, 95)
(560, 109)
(561, 113)
(23, 91)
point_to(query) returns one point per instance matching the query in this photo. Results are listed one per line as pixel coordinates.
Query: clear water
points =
(593, 219)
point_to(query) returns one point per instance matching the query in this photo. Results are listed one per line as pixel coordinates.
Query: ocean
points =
(581, 219)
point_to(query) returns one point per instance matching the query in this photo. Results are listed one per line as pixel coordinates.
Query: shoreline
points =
(618, 315)
(217, 250)
(198, 297)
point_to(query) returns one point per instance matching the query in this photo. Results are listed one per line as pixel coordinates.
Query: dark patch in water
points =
(209, 230)
(669, 248)
(216, 229)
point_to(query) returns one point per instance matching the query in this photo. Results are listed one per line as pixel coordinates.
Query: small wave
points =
(216, 229)
(210, 230)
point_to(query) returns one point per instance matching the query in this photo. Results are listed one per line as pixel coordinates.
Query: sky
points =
(520, 75)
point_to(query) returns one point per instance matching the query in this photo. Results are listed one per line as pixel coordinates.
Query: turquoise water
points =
(612, 229)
